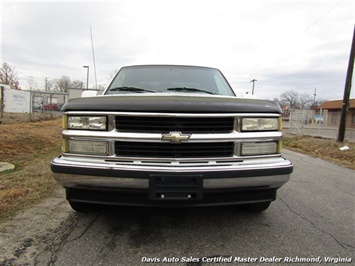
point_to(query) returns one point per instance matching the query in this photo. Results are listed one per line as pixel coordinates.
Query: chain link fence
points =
(23, 106)
(317, 123)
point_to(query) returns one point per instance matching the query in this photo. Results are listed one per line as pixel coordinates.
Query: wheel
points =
(82, 207)
(256, 207)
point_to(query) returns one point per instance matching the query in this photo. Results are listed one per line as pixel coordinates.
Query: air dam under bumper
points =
(170, 186)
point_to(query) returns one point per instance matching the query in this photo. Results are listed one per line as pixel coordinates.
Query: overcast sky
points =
(286, 45)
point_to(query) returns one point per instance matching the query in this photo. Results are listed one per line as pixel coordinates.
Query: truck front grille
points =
(167, 150)
(150, 124)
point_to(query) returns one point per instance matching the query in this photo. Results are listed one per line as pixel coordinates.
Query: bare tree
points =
(62, 84)
(49, 84)
(290, 98)
(32, 84)
(77, 84)
(8, 76)
(305, 101)
(278, 101)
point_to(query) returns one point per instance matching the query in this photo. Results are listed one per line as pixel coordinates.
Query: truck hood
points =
(171, 104)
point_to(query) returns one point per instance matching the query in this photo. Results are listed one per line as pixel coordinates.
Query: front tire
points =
(256, 207)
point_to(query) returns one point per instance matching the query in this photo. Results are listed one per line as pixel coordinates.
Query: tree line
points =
(294, 100)
(8, 76)
(59, 85)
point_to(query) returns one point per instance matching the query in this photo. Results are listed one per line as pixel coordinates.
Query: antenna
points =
(93, 56)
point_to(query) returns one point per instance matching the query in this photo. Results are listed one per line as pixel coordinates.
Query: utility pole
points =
(45, 84)
(347, 89)
(87, 76)
(314, 98)
(252, 91)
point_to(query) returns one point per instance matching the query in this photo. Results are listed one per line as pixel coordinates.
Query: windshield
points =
(169, 79)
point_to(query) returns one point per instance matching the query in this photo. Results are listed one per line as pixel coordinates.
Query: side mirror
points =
(88, 93)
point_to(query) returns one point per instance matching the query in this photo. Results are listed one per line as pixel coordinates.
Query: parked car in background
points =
(53, 107)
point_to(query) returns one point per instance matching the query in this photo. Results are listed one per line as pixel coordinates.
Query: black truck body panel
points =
(172, 104)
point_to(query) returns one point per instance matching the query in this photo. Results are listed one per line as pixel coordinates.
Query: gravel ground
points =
(27, 234)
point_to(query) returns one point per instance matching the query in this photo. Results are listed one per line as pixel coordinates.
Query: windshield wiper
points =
(189, 89)
(126, 88)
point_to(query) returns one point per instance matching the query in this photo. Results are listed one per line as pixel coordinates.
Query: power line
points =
(299, 35)
(279, 26)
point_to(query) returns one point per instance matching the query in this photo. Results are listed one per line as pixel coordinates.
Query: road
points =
(312, 218)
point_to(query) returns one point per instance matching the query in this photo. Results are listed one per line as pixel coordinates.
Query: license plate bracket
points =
(175, 187)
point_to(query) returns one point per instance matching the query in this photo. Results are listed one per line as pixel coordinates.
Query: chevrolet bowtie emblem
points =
(175, 137)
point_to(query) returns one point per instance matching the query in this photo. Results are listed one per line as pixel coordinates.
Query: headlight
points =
(259, 148)
(260, 124)
(87, 122)
(88, 147)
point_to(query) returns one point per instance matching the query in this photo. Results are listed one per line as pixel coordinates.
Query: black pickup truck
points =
(174, 136)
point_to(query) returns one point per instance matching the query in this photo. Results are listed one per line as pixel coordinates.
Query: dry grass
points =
(25, 186)
(14, 118)
(326, 149)
(30, 147)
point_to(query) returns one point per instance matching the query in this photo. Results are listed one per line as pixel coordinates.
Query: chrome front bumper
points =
(78, 174)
